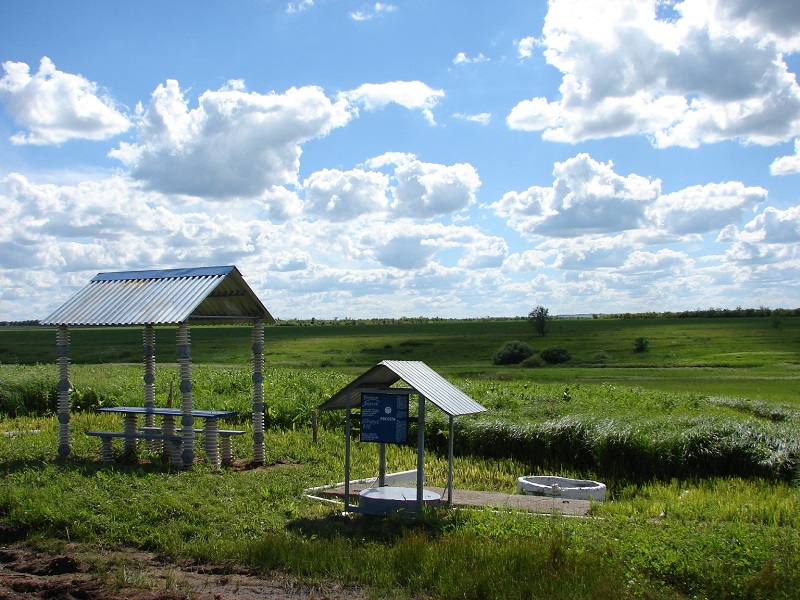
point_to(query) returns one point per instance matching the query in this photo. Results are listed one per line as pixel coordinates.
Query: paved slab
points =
(533, 504)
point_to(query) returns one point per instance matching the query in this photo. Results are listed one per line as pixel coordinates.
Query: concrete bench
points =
(107, 437)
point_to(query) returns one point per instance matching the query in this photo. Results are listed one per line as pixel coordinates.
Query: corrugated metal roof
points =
(443, 394)
(162, 297)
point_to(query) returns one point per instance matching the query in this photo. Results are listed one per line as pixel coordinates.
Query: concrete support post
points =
(64, 389)
(258, 392)
(185, 372)
(450, 463)
(420, 453)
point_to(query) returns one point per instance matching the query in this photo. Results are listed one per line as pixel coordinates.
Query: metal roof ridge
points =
(164, 273)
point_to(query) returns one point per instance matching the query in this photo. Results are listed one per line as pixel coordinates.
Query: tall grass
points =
(611, 431)
(698, 537)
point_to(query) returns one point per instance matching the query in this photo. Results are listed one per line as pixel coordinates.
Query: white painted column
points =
(185, 372)
(64, 389)
(258, 392)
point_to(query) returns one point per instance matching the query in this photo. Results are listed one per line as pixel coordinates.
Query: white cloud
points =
(282, 204)
(55, 107)
(526, 45)
(703, 76)
(594, 252)
(299, 5)
(664, 263)
(234, 144)
(426, 189)
(787, 165)
(772, 226)
(342, 196)
(111, 225)
(462, 59)
(413, 95)
(587, 197)
(378, 9)
(778, 20)
(705, 208)
(480, 118)
(407, 245)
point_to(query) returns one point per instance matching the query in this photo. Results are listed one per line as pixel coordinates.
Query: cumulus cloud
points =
(705, 208)
(417, 189)
(787, 165)
(594, 252)
(683, 80)
(234, 144)
(407, 245)
(426, 190)
(772, 226)
(413, 95)
(341, 196)
(55, 107)
(664, 263)
(587, 197)
(111, 225)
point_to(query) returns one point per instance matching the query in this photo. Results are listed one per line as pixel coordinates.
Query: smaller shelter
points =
(205, 295)
(427, 384)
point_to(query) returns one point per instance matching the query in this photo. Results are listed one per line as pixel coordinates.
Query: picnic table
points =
(169, 433)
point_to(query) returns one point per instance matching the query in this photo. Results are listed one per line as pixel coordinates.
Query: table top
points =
(175, 412)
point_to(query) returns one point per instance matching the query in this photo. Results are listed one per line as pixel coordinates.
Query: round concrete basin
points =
(562, 487)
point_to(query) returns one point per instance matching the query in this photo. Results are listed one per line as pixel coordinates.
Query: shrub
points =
(555, 355)
(512, 353)
(532, 362)
(602, 357)
(641, 344)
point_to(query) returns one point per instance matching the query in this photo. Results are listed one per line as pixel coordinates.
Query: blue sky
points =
(436, 158)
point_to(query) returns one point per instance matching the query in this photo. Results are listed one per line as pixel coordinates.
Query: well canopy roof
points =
(162, 297)
(444, 395)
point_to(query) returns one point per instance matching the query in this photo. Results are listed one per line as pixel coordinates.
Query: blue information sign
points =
(384, 417)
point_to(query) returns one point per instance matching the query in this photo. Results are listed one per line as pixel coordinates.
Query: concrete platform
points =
(472, 498)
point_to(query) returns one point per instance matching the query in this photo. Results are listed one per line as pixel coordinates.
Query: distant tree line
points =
(708, 313)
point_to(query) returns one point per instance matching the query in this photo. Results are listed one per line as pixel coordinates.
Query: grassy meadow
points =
(697, 438)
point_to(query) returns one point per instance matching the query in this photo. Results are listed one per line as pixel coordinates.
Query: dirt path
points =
(81, 573)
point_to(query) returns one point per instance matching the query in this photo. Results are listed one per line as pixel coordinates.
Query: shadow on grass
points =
(433, 523)
(136, 467)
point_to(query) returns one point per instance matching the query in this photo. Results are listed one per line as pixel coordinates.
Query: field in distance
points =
(756, 358)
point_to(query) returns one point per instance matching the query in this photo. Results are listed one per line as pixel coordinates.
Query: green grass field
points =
(757, 358)
(698, 440)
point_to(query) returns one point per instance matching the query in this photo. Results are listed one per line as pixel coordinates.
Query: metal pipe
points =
(450, 465)
(347, 457)
(420, 452)
(381, 464)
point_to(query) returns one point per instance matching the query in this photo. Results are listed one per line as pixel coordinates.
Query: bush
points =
(641, 344)
(602, 357)
(532, 362)
(555, 355)
(512, 353)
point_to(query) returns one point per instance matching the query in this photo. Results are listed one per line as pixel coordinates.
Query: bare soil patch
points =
(82, 573)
